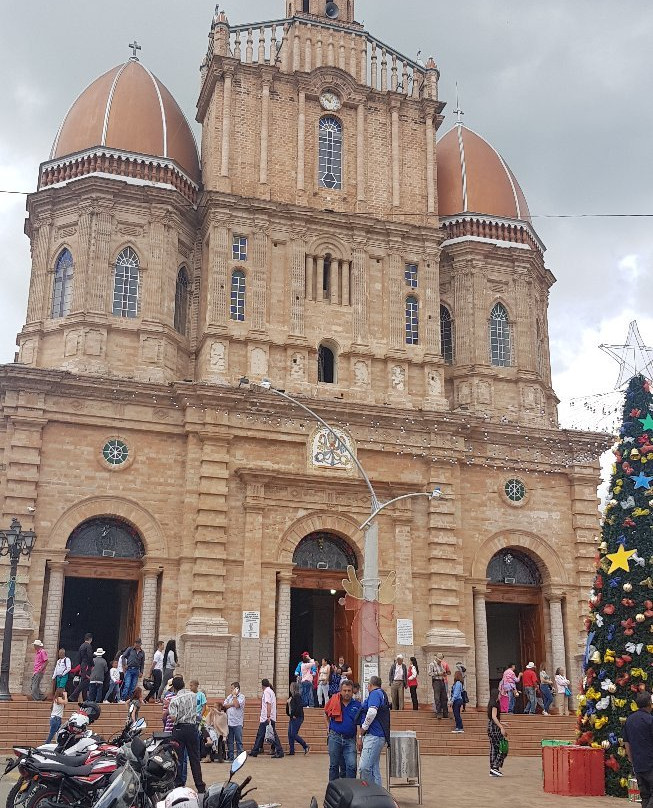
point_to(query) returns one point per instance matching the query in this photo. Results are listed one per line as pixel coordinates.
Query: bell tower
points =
(336, 10)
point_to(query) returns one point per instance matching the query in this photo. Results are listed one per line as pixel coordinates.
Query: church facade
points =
(328, 242)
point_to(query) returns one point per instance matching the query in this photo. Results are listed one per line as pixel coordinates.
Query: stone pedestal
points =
(205, 646)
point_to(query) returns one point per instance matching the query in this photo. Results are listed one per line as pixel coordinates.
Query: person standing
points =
(374, 732)
(56, 716)
(169, 665)
(341, 714)
(398, 682)
(439, 672)
(496, 731)
(234, 704)
(134, 662)
(85, 668)
(345, 669)
(98, 674)
(200, 697)
(295, 711)
(508, 688)
(156, 673)
(114, 683)
(638, 739)
(529, 680)
(183, 712)
(457, 700)
(563, 687)
(268, 718)
(61, 670)
(135, 704)
(306, 669)
(413, 683)
(546, 689)
(324, 678)
(40, 664)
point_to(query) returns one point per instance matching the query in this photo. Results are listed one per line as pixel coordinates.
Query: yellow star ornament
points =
(619, 560)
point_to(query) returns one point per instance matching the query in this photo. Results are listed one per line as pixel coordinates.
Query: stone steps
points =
(26, 723)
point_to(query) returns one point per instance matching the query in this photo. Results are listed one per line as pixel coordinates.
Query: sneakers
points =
(495, 773)
(544, 712)
(457, 730)
(307, 750)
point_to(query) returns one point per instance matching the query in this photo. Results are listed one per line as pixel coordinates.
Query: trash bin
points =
(403, 762)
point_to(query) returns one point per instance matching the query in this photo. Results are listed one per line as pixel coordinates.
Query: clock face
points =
(330, 101)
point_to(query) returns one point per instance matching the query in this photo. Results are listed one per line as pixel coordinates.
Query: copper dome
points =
(473, 178)
(128, 109)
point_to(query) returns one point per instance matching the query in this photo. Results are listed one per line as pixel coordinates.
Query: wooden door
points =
(343, 644)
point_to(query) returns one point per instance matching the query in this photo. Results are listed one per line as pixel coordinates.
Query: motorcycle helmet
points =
(180, 798)
(161, 765)
(78, 722)
(91, 709)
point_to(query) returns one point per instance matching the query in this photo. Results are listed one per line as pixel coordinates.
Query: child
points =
(61, 671)
(135, 704)
(114, 686)
(58, 704)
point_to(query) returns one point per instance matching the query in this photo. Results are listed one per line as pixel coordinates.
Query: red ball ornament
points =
(608, 608)
(635, 413)
(611, 763)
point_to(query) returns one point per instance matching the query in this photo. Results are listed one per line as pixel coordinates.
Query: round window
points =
(115, 452)
(515, 490)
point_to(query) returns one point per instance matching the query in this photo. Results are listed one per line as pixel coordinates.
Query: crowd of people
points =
(539, 690)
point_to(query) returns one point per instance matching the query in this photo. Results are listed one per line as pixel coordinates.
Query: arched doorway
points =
(102, 586)
(318, 622)
(514, 611)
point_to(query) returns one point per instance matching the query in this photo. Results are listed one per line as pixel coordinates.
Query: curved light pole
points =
(370, 580)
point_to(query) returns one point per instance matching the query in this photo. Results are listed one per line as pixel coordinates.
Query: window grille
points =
(330, 153)
(500, 347)
(446, 334)
(62, 292)
(412, 321)
(181, 301)
(238, 295)
(410, 274)
(126, 284)
(105, 537)
(324, 551)
(239, 248)
(512, 567)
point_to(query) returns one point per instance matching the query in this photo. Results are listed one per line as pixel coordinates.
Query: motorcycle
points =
(350, 793)
(230, 794)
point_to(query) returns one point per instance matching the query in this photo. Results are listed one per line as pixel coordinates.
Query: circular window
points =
(115, 452)
(515, 490)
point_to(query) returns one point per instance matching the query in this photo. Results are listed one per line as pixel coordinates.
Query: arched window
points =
(326, 365)
(330, 153)
(324, 551)
(238, 295)
(181, 301)
(126, 284)
(500, 348)
(446, 334)
(62, 291)
(412, 321)
(512, 567)
(105, 537)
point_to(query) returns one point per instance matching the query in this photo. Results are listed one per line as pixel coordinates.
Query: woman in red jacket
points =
(413, 672)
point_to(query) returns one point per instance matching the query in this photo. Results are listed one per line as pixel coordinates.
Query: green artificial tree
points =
(619, 652)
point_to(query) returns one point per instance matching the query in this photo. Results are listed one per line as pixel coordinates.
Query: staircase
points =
(27, 723)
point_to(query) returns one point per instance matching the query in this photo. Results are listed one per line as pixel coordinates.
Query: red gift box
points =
(573, 771)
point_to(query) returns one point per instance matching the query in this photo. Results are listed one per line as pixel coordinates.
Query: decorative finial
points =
(135, 47)
(431, 65)
(633, 357)
(458, 111)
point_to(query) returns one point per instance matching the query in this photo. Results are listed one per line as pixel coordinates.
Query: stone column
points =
(480, 645)
(282, 656)
(53, 605)
(298, 286)
(319, 283)
(336, 268)
(310, 292)
(397, 312)
(557, 643)
(346, 272)
(359, 284)
(149, 610)
(226, 124)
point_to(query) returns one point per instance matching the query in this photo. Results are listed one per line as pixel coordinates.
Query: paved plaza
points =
(455, 782)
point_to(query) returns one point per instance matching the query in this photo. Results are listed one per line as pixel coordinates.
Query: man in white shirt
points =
(398, 682)
(157, 672)
(234, 704)
(268, 717)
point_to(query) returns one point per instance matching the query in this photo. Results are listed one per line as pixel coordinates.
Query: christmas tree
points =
(619, 651)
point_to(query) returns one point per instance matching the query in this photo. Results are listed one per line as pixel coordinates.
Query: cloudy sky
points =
(562, 90)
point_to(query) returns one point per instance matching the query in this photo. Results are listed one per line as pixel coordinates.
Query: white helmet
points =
(78, 721)
(180, 798)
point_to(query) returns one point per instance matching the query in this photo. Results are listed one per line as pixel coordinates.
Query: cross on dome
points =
(458, 111)
(135, 47)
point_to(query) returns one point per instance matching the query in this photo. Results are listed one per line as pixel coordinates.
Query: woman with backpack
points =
(457, 700)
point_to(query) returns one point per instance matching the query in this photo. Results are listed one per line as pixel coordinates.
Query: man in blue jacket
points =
(374, 732)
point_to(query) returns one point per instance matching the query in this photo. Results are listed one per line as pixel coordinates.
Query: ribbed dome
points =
(130, 110)
(474, 178)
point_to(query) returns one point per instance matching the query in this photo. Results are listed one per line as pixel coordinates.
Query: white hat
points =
(530, 665)
(99, 652)
(39, 643)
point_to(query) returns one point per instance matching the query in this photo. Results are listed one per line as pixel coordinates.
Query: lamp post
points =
(14, 543)
(370, 580)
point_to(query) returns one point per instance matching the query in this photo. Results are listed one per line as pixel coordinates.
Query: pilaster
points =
(282, 657)
(298, 286)
(53, 606)
(150, 585)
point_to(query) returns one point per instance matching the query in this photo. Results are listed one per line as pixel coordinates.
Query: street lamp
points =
(14, 543)
(370, 580)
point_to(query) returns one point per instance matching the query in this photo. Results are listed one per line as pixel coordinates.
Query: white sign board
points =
(404, 632)
(369, 669)
(251, 625)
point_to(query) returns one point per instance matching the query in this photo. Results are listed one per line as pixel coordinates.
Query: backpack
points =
(465, 697)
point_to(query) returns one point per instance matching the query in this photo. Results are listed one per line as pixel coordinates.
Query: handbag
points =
(269, 733)
(148, 684)
(503, 746)
(567, 692)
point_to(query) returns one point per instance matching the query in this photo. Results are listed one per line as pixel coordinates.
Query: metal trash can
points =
(403, 762)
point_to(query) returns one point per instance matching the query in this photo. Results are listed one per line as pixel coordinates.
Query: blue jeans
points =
(131, 679)
(547, 697)
(532, 700)
(294, 725)
(342, 755)
(95, 692)
(307, 693)
(511, 701)
(370, 765)
(235, 734)
(55, 723)
(457, 705)
(259, 742)
(114, 690)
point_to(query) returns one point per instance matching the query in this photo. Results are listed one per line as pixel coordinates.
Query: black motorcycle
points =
(230, 794)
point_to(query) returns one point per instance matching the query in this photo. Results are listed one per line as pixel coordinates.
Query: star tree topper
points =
(619, 560)
(634, 357)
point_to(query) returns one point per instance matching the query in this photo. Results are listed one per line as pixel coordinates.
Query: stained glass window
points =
(324, 551)
(330, 153)
(500, 348)
(410, 275)
(412, 321)
(238, 295)
(126, 284)
(239, 248)
(62, 292)
(446, 334)
(181, 301)
(512, 567)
